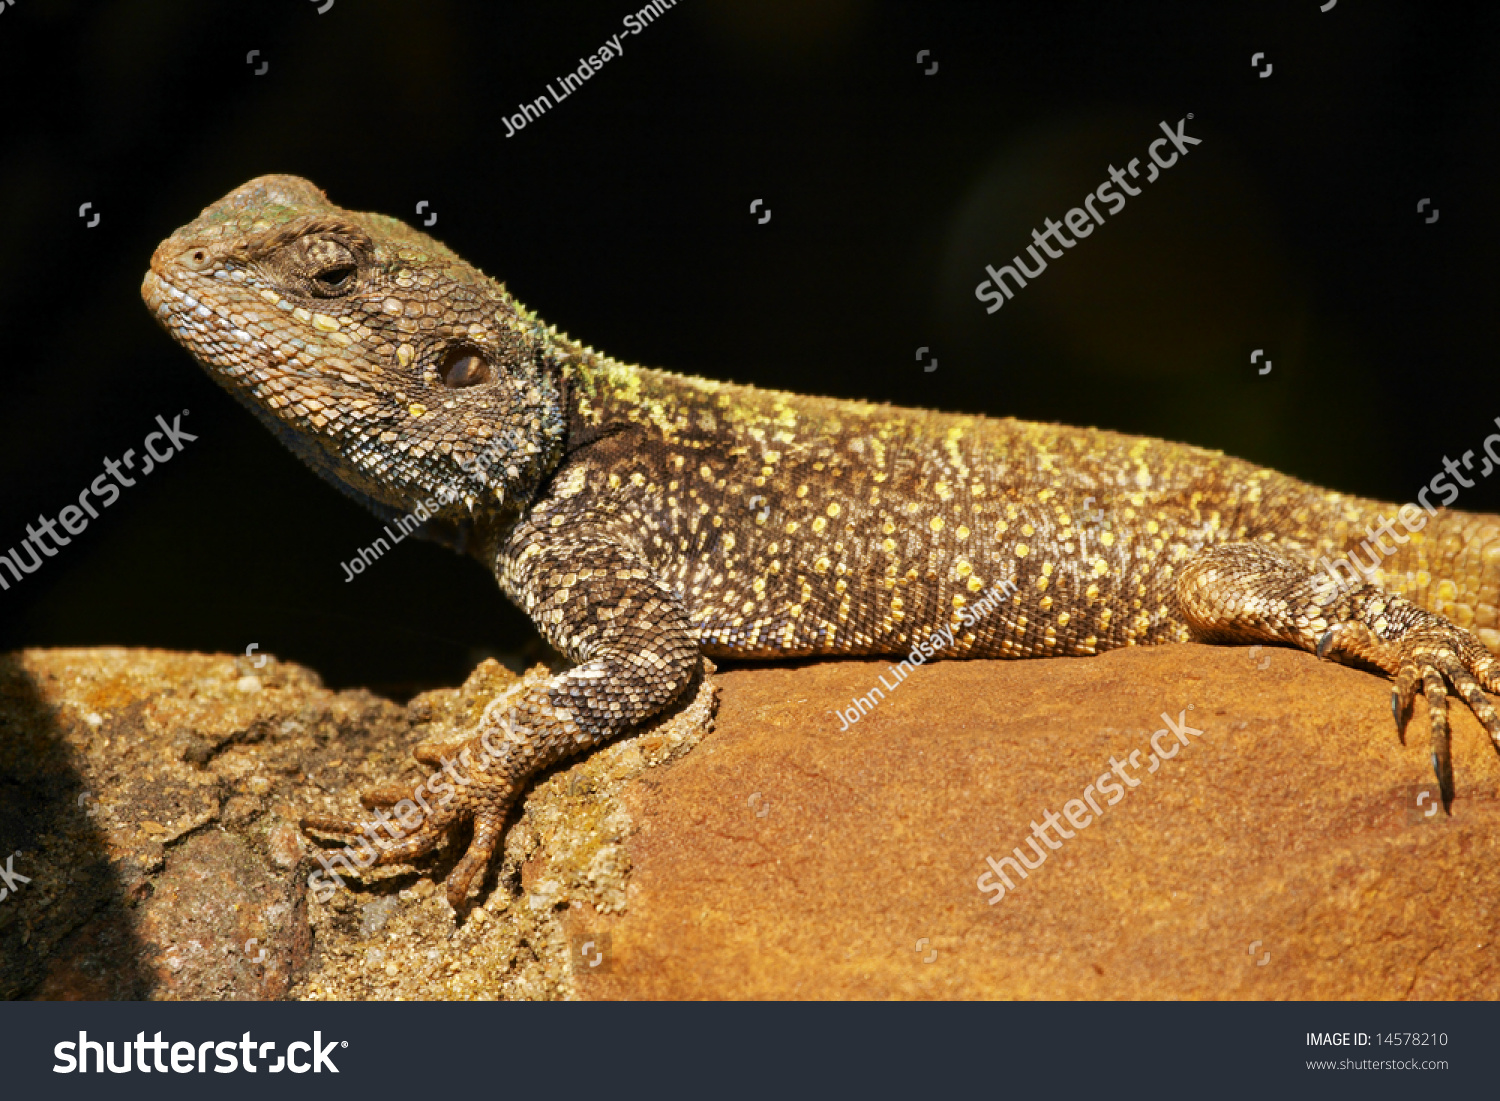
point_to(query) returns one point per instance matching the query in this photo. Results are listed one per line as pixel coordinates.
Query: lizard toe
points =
(487, 829)
(384, 796)
(1437, 718)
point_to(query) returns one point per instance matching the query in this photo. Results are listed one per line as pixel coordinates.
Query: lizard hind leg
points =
(1243, 592)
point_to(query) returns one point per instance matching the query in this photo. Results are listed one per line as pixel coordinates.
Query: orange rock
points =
(1288, 852)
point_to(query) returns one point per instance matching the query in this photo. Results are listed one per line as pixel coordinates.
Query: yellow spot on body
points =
(417, 409)
(833, 510)
(405, 354)
(1045, 603)
(301, 314)
(1022, 550)
(936, 523)
(791, 527)
(819, 524)
(324, 323)
(1107, 538)
(821, 565)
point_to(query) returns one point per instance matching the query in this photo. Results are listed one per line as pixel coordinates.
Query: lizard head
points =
(379, 356)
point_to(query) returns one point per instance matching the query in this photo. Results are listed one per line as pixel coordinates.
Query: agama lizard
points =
(642, 519)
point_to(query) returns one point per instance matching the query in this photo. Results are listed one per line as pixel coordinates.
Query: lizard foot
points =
(413, 834)
(1436, 655)
(474, 779)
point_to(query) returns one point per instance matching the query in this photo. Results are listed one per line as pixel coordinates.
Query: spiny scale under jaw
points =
(643, 518)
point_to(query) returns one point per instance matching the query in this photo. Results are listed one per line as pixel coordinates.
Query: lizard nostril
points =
(463, 367)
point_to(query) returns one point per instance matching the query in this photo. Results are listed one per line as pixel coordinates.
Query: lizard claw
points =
(1437, 662)
(1422, 651)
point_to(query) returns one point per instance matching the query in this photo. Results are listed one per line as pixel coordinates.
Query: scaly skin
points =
(642, 519)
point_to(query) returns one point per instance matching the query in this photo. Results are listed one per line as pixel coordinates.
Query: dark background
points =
(622, 216)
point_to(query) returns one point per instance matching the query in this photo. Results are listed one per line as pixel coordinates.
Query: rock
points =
(1287, 851)
(1284, 853)
(149, 801)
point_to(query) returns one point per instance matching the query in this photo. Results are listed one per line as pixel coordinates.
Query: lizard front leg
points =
(1243, 592)
(597, 601)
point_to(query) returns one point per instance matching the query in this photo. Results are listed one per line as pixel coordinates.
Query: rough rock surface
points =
(1287, 852)
(152, 799)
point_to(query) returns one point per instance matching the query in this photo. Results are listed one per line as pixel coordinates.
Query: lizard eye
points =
(332, 268)
(463, 367)
(334, 280)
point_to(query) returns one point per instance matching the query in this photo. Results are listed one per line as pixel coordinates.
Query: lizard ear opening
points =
(463, 366)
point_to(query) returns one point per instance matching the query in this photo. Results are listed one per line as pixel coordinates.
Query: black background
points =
(622, 216)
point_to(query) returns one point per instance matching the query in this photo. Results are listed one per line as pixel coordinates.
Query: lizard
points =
(644, 520)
